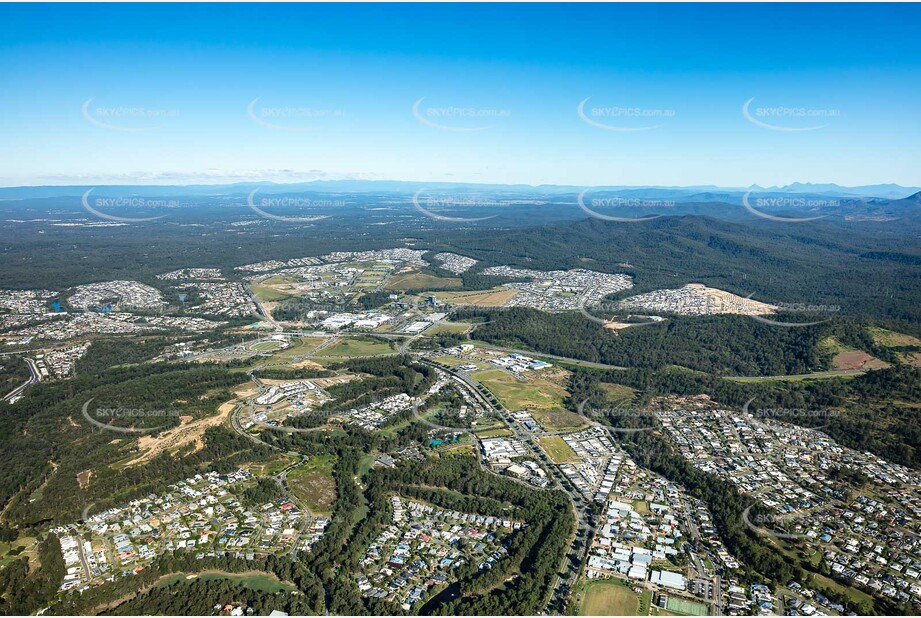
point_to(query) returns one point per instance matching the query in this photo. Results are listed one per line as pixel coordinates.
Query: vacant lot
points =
(617, 393)
(314, 484)
(454, 361)
(557, 449)
(517, 394)
(608, 598)
(496, 297)
(254, 580)
(356, 347)
(857, 359)
(449, 327)
(892, 339)
(419, 281)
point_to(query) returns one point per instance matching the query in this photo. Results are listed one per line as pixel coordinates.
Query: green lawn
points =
(355, 346)
(609, 597)
(685, 607)
(557, 449)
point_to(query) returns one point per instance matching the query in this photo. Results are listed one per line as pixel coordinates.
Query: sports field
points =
(686, 607)
(608, 598)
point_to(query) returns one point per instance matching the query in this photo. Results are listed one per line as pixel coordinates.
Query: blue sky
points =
(160, 93)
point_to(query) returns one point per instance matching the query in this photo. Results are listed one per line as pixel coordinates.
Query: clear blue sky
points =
(170, 86)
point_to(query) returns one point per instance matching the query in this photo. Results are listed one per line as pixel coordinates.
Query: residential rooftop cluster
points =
(696, 299)
(559, 290)
(373, 415)
(191, 274)
(455, 263)
(221, 298)
(868, 533)
(600, 461)
(205, 514)
(268, 265)
(59, 363)
(424, 545)
(116, 296)
(22, 302)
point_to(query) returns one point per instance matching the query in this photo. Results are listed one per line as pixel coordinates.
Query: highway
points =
(34, 378)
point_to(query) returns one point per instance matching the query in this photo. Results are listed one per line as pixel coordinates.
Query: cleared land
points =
(420, 281)
(449, 327)
(517, 395)
(496, 297)
(356, 347)
(617, 393)
(557, 449)
(542, 397)
(608, 598)
(255, 580)
(314, 484)
(857, 359)
(188, 432)
(892, 339)
(454, 361)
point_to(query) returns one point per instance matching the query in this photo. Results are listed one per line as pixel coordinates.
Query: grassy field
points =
(299, 347)
(608, 598)
(617, 393)
(685, 607)
(499, 432)
(272, 466)
(557, 449)
(819, 375)
(266, 346)
(453, 361)
(558, 419)
(541, 397)
(350, 347)
(266, 293)
(449, 327)
(24, 546)
(495, 297)
(314, 484)
(891, 339)
(516, 394)
(266, 582)
(420, 281)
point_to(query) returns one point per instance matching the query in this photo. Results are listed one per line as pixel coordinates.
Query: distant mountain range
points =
(695, 193)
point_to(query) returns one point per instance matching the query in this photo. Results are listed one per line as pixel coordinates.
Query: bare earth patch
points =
(188, 432)
(83, 479)
(857, 359)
